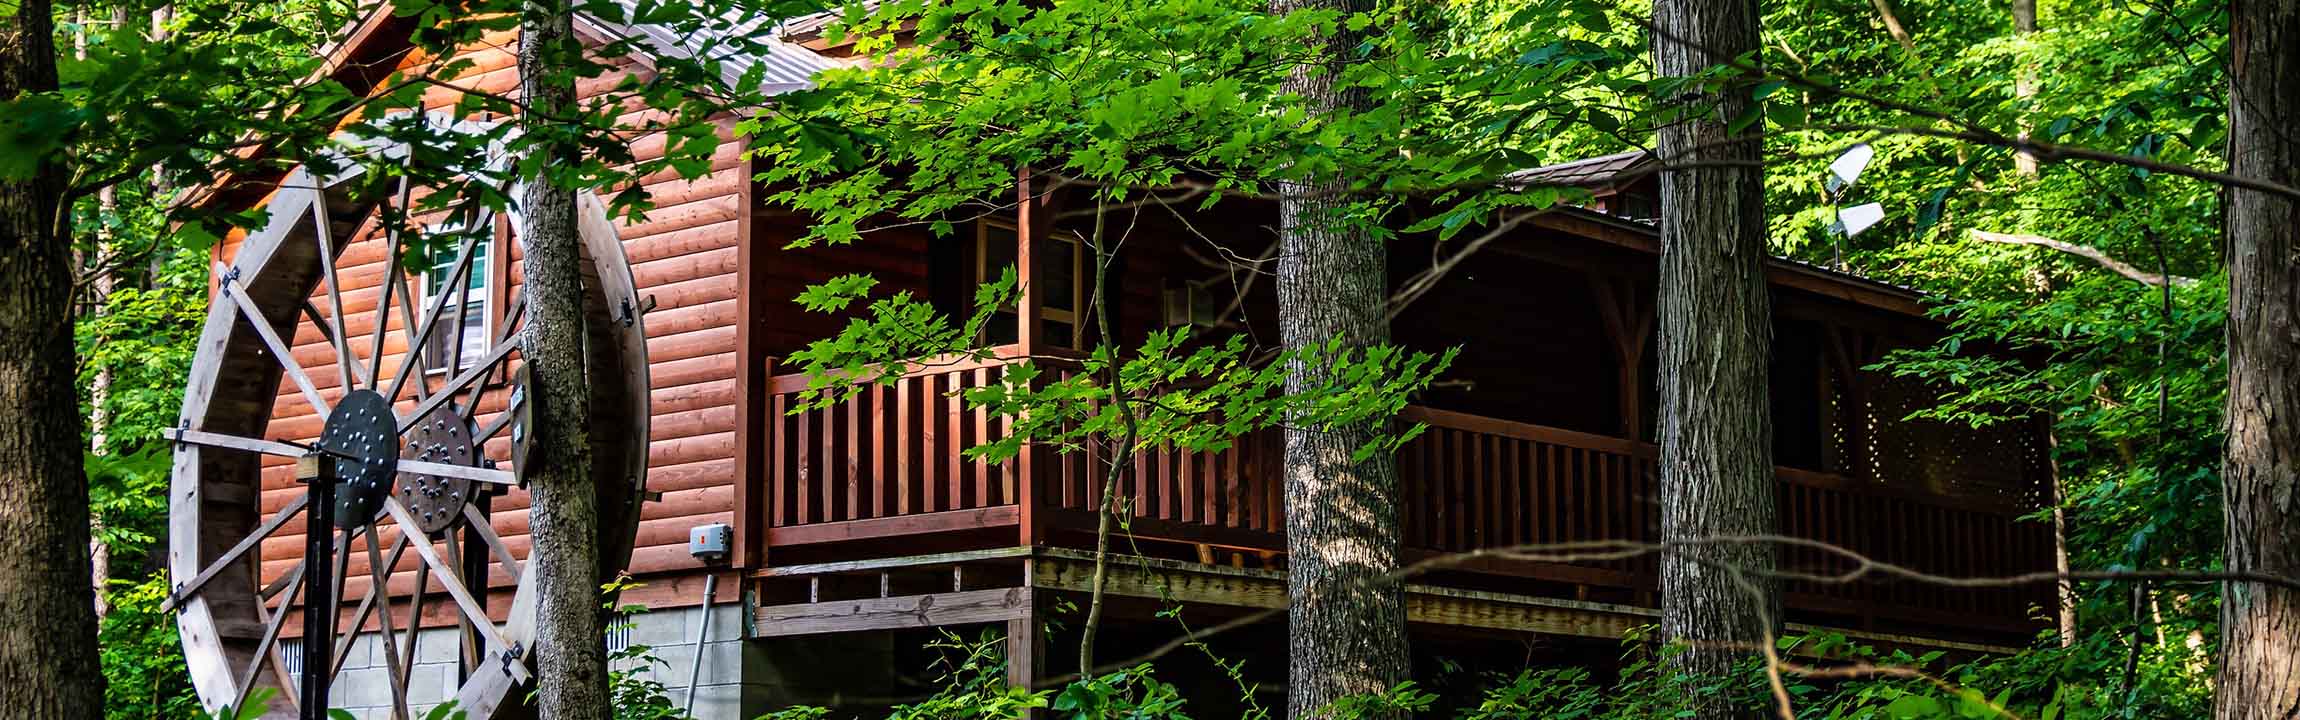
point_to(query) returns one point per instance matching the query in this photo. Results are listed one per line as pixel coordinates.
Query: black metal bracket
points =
(630, 317)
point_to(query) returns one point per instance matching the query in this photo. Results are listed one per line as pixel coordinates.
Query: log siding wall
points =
(684, 256)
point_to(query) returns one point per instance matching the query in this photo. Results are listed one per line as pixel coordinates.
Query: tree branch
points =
(2090, 253)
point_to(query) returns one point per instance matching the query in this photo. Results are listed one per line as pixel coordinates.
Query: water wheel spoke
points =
(495, 546)
(230, 286)
(462, 298)
(466, 472)
(270, 640)
(334, 600)
(501, 421)
(419, 336)
(414, 620)
(353, 374)
(236, 442)
(367, 604)
(512, 316)
(497, 649)
(345, 362)
(379, 595)
(392, 234)
(294, 507)
(407, 422)
(414, 353)
(503, 336)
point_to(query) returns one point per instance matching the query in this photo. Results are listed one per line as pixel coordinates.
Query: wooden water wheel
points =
(423, 430)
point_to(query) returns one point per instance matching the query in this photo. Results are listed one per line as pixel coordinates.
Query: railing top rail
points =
(936, 365)
(1621, 446)
(1523, 431)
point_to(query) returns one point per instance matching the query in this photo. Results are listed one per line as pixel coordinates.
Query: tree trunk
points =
(570, 646)
(2024, 85)
(2260, 624)
(1715, 341)
(48, 663)
(1347, 622)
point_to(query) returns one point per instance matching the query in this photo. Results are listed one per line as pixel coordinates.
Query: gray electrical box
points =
(710, 543)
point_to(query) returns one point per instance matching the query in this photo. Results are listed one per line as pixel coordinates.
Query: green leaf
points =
(1914, 706)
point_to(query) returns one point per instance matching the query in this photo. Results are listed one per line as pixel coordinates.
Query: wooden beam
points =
(1071, 571)
(1266, 589)
(924, 523)
(750, 371)
(1025, 645)
(950, 558)
(909, 611)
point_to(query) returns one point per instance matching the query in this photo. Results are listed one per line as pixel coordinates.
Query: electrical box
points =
(710, 543)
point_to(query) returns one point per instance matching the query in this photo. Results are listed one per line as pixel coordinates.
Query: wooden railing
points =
(891, 451)
(888, 462)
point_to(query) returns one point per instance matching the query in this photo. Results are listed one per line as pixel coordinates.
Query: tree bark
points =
(1346, 624)
(48, 661)
(1715, 342)
(2260, 624)
(570, 646)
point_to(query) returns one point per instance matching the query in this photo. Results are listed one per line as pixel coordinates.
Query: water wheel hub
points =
(363, 435)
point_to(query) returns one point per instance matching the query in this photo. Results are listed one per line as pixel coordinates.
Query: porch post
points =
(1628, 319)
(1032, 218)
(1025, 645)
(752, 369)
(1030, 222)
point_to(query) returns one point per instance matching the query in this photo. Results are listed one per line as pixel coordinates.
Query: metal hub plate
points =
(363, 435)
(441, 437)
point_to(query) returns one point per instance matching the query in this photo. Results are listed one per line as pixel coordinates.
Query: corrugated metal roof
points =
(1588, 172)
(812, 24)
(1652, 228)
(784, 66)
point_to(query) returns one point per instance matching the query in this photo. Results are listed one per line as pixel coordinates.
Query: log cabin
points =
(861, 536)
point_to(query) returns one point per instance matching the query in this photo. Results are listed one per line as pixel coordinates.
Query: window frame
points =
(1070, 315)
(480, 297)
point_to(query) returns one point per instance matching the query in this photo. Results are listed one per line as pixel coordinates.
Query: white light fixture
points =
(1851, 221)
(1847, 167)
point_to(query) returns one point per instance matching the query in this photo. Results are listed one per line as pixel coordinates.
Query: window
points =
(461, 328)
(1057, 265)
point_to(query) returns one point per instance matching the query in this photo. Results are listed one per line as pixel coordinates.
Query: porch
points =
(882, 476)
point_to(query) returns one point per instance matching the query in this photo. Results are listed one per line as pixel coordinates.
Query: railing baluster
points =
(1481, 502)
(802, 455)
(853, 458)
(1194, 478)
(776, 459)
(954, 440)
(982, 484)
(874, 454)
(1513, 478)
(905, 503)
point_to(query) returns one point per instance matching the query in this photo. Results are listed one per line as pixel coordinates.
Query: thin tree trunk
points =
(2260, 624)
(100, 386)
(48, 662)
(2064, 590)
(1715, 321)
(1346, 624)
(2024, 85)
(570, 647)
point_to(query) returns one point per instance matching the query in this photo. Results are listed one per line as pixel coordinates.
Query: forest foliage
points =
(1136, 97)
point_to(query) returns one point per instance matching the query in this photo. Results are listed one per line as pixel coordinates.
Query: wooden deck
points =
(882, 476)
